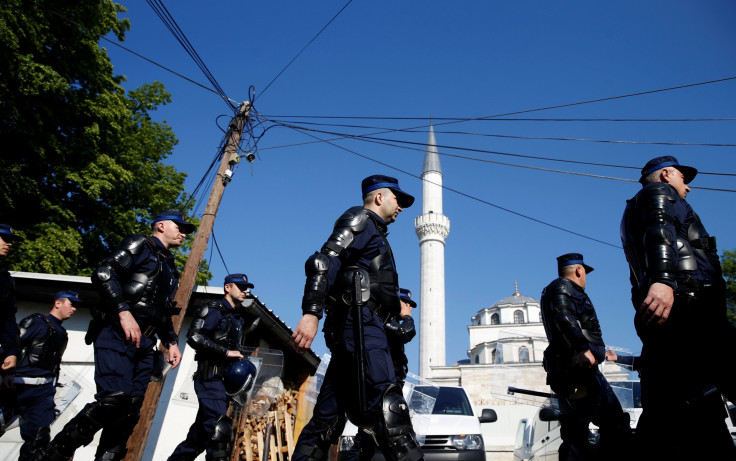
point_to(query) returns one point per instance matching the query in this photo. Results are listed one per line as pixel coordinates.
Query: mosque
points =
(506, 340)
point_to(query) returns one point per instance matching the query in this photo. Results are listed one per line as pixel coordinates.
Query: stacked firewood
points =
(270, 436)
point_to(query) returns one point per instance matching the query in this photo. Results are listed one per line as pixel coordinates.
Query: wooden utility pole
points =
(137, 442)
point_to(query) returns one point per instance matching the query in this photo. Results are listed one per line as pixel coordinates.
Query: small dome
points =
(516, 299)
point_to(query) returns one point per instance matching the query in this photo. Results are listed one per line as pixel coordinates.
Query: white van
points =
(452, 434)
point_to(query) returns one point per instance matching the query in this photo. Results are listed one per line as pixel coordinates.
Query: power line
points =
(492, 135)
(539, 221)
(533, 157)
(506, 119)
(214, 240)
(305, 46)
(163, 13)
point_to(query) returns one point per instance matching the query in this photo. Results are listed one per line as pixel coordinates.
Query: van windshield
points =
(451, 401)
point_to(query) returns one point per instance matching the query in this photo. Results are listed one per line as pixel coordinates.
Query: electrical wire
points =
(163, 13)
(534, 157)
(492, 135)
(508, 210)
(305, 47)
(214, 240)
(504, 119)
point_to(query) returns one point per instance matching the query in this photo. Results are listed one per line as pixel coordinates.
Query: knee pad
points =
(222, 439)
(110, 409)
(397, 428)
(83, 427)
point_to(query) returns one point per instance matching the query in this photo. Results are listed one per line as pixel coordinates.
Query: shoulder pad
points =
(562, 286)
(660, 188)
(28, 321)
(134, 243)
(355, 219)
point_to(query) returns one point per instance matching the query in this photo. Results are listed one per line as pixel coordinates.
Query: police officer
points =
(399, 331)
(136, 284)
(678, 291)
(9, 348)
(575, 349)
(216, 334)
(43, 341)
(354, 266)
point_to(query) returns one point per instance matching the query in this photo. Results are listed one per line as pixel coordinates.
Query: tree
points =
(728, 264)
(87, 162)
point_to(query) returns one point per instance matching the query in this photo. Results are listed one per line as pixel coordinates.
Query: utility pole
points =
(137, 442)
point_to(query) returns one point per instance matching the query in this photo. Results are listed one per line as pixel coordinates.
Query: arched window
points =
(493, 356)
(495, 319)
(518, 317)
(497, 356)
(523, 354)
(477, 359)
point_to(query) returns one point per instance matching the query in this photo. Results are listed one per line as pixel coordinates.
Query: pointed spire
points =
(431, 157)
(516, 288)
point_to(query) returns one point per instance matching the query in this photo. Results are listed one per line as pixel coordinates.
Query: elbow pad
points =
(660, 235)
(565, 321)
(196, 337)
(315, 289)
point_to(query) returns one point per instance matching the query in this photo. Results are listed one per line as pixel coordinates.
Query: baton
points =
(359, 340)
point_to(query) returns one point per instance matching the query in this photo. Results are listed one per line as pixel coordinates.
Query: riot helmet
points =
(239, 377)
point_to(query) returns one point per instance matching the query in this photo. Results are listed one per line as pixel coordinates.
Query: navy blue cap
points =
(238, 279)
(378, 181)
(662, 162)
(72, 296)
(178, 218)
(572, 258)
(7, 233)
(405, 296)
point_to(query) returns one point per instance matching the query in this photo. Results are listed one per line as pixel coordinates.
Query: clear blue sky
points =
(444, 59)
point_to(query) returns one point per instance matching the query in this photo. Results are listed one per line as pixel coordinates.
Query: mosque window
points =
(477, 359)
(493, 356)
(518, 317)
(523, 354)
(495, 319)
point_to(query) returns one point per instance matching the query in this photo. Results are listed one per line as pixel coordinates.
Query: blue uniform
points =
(585, 396)
(8, 328)
(693, 351)
(358, 240)
(43, 341)
(215, 330)
(140, 277)
(399, 331)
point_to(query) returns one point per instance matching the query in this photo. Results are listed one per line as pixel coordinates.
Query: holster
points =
(95, 325)
(207, 370)
(557, 364)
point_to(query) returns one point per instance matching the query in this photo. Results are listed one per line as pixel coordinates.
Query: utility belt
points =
(381, 311)
(32, 381)
(100, 319)
(209, 369)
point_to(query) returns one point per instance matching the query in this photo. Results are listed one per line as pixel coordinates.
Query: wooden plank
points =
(259, 435)
(279, 443)
(272, 450)
(248, 445)
(289, 429)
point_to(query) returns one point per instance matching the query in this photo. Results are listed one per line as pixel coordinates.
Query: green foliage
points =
(86, 167)
(728, 264)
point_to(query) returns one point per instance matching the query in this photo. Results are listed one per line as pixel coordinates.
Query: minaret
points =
(432, 228)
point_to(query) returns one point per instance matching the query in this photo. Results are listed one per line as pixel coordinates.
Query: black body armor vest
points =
(44, 351)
